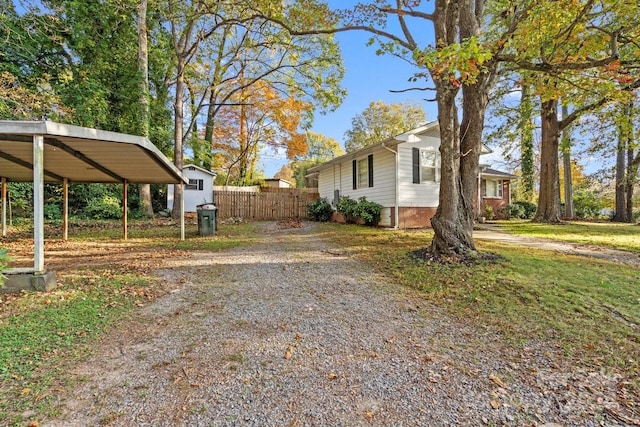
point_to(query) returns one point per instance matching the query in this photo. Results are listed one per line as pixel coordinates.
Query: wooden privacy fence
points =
(268, 204)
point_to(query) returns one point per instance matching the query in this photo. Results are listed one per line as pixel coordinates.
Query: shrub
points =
(319, 210)
(368, 211)
(586, 204)
(513, 211)
(529, 209)
(52, 212)
(105, 207)
(488, 211)
(347, 207)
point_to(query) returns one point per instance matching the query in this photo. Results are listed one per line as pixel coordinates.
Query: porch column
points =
(4, 207)
(125, 202)
(38, 204)
(65, 209)
(181, 212)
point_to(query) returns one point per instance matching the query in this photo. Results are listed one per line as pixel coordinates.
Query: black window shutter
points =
(200, 184)
(355, 174)
(370, 164)
(415, 155)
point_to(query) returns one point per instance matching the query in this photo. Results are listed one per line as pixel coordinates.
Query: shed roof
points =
(82, 155)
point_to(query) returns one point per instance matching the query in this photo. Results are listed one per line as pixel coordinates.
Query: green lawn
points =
(609, 234)
(590, 309)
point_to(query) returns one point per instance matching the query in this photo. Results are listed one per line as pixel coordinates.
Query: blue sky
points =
(368, 77)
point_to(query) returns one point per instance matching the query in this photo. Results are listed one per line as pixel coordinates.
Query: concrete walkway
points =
(494, 232)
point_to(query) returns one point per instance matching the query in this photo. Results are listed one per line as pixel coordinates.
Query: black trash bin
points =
(206, 219)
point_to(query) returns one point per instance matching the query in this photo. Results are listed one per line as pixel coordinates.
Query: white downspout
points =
(397, 209)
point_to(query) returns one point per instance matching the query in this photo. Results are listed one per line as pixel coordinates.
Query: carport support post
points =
(38, 204)
(125, 202)
(182, 213)
(65, 209)
(4, 207)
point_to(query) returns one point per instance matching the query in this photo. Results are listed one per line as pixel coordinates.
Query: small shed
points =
(277, 183)
(198, 190)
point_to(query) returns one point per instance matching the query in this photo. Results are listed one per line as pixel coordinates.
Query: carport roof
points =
(82, 155)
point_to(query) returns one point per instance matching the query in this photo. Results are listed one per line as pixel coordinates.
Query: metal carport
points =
(44, 151)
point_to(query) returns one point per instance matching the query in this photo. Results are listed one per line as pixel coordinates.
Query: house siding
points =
(193, 198)
(340, 177)
(422, 195)
(417, 202)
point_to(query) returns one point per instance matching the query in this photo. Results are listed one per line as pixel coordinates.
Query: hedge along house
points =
(44, 151)
(402, 174)
(198, 191)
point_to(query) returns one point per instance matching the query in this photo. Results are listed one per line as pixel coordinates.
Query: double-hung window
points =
(363, 172)
(492, 188)
(426, 166)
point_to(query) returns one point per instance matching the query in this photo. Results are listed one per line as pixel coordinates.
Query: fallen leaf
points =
(496, 380)
(288, 353)
(368, 415)
(332, 376)
(495, 404)
(25, 391)
(33, 423)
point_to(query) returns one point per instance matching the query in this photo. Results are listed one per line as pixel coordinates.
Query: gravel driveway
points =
(291, 331)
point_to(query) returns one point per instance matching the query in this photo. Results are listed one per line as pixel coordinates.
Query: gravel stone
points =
(291, 331)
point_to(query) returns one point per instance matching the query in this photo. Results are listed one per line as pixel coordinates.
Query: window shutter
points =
(370, 164)
(415, 155)
(355, 174)
(200, 184)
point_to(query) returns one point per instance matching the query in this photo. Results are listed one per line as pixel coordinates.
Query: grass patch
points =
(607, 234)
(43, 335)
(589, 308)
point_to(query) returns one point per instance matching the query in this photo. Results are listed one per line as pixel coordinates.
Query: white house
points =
(277, 183)
(198, 191)
(402, 174)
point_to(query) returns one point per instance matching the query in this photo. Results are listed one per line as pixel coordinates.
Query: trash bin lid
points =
(207, 207)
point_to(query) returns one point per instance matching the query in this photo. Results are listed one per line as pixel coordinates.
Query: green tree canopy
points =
(380, 121)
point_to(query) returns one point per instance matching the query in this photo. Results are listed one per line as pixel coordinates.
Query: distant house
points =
(277, 183)
(402, 173)
(496, 191)
(198, 191)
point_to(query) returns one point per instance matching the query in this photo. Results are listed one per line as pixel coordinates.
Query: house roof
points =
(192, 166)
(82, 155)
(431, 129)
(498, 174)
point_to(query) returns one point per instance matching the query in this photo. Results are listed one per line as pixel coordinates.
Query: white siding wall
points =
(340, 177)
(423, 195)
(193, 198)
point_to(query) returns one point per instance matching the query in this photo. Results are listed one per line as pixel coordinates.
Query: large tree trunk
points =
(633, 161)
(621, 170)
(143, 66)
(178, 156)
(460, 145)
(450, 234)
(566, 164)
(526, 144)
(548, 207)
